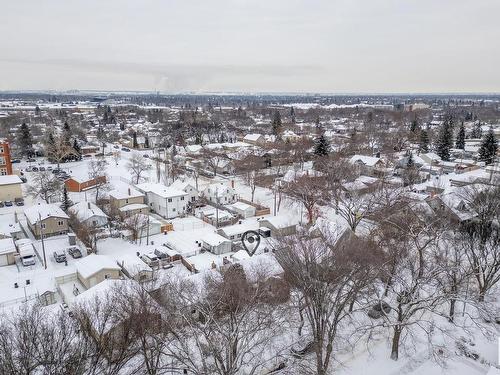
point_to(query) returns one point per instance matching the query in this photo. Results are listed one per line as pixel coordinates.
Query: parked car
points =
(28, 260)
(145, 156)
(42, 169)
(59, 256)
(19, 201)
(74, 251)
(49, 168)
(23, 179)
(125, 149)
(115, 146)
(8, 203)
(2, 204)
(15, 161)
(34, 169)
(29, 169)
(31, 160)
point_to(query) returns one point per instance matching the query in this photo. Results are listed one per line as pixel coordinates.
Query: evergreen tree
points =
(67, 133)
(477, 132)
(414, 126)
(292, 114)
(277, 125)
(424, 141)
(322, 147)
(77, 149)
(460, 142)
(66, 202)
(410, 163)
(444, 141)
(122, 126)
(37, 111)
(24, 140)
(489, 147)
(134, 140)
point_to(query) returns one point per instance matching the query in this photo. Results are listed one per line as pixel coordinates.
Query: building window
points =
(60, 223)
(170, 200)
(42, 226)
(2, 160)
(173, 209)
(1, 150)
(193, 199)
(182, 198)
(126, 201)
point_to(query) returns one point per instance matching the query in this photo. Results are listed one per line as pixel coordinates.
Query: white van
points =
(27, 253)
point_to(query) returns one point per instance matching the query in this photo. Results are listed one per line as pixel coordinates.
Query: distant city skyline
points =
(244, 46)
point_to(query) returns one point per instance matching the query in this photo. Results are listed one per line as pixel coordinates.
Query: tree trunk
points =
(395, 343)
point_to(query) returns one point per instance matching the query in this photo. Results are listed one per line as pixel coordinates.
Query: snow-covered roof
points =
(181, 185)
(214, 239)
(252, 137)
(132, 264)
(10, 180)
(93, 263)
(235, 229)
(125, 193)
(219, 189)
(160, 190)
(281, 221)
(7, 246)
(86, 210)
(240, 206)
(366, 160)
(43, 211)
(261, 266)
(133, 206)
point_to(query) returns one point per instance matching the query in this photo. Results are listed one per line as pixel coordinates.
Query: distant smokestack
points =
(232, 184)
(129, 191)
(88, 204)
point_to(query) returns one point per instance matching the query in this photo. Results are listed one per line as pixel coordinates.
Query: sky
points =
(315, 46)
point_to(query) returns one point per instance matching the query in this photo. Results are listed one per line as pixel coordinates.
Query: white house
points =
(254, 139)
(220, 193)
(90, 214)
(186, 187)
(165, 201)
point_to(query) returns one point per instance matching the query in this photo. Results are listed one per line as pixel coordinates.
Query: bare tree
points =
(137, 224)
(97, 169)
(44, 185)
(308, 190)
(228, 329)
(213, 159)
(329, 276)
(60, 150)
(137, 166)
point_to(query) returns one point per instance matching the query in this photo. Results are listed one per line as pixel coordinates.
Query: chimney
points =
(88, 205)
(129, 191)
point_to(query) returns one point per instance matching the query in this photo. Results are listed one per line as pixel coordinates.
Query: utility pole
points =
(43, 243)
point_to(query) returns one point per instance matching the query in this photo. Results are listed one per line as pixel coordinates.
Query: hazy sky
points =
(334, 46)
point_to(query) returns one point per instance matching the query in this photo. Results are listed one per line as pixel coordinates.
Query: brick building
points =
(5, 161)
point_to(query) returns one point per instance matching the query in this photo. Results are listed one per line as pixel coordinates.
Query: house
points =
(216, 216)
(46, 220)
(242, 209)
(370, 165)
(167, 202)
(93, 269)
(8, 252)
(10, 187)
(5, 159)
(128, 202)
(190, 190)
(86, 150)
(133, 267)
(254, 139)
(452, 206)
(78, 184)
(280, 226)
(143, 225)
(216, 244)
(90, 214)
(220, 194)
